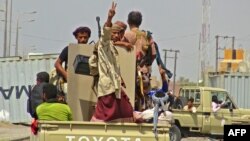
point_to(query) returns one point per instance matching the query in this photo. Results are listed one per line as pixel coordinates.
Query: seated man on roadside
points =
(190, 107)
(51, 109)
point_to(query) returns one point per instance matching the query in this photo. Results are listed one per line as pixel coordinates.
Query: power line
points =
(245, 38)
(43, 38)
(39, 37)
(178, 37)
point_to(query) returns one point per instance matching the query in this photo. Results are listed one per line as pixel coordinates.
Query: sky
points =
(176, 24)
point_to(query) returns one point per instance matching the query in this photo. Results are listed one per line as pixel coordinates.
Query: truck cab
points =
(204, 120)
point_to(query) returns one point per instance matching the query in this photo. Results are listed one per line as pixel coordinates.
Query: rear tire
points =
(174, 133)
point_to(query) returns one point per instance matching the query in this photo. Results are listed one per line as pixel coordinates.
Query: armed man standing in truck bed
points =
(113, 103)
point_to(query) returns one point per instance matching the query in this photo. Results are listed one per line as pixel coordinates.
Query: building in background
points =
(235, 60)
(234, 76)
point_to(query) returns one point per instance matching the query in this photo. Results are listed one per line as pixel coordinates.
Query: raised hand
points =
(112, 10)
(111, 14)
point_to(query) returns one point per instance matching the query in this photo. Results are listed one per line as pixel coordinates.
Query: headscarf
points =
(116, 27)
(121, 24)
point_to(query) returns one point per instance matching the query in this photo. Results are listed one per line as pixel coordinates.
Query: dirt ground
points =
(13, 132)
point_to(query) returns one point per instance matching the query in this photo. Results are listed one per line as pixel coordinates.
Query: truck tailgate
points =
(93, 131)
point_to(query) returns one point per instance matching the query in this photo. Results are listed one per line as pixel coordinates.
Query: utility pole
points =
(165, 57)
(17, 30)
(216, 53)
(175, 63)
(17, 35)
(199, 61)
(5, 30)
(9, 48)
(217, 48)
(233, 38)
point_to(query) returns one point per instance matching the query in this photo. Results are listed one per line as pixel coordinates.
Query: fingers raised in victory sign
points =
(112, 10)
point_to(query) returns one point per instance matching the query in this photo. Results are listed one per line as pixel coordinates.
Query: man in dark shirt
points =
(82, 35)
(35, 96)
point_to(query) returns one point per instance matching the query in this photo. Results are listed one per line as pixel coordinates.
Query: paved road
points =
(198, 139)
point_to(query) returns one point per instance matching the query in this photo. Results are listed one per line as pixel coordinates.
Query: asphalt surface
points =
(198, 139)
